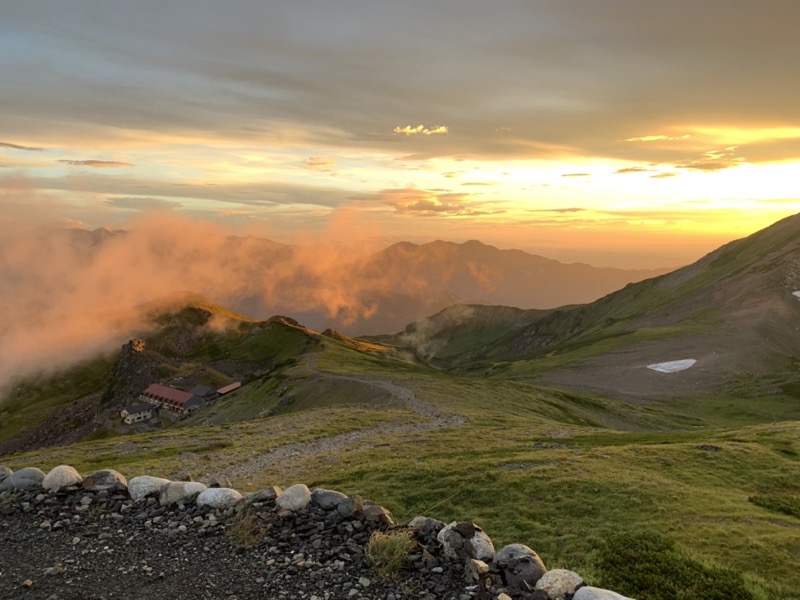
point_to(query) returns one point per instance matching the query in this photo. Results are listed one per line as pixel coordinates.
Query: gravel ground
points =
(75, 544)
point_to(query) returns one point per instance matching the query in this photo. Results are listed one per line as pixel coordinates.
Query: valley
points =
(544, 426)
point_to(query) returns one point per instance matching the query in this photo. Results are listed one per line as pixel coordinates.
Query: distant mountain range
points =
(406, 282)
(374, 294)
(736, 312)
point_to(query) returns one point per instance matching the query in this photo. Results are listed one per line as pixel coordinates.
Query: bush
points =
(781, 504)
(648, 566)
(388, 551)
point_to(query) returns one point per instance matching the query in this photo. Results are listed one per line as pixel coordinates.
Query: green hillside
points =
(545, 427)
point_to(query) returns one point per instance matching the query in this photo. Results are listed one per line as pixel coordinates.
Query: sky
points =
(632, 133)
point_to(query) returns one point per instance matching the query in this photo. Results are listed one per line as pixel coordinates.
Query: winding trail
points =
(359, 440)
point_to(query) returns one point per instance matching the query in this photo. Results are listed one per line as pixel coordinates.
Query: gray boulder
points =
(24, 479)
(378, 515)
(521, 566)
(350, 506)
(174, 492)
(143, 486)
(465, 540)
(294, 498)
(326, 499)
(60, 477)
(265, 495)
(593, 593)
(426, 524)
(4, 472)
(219, 498)
(105, 479)
(559, 584)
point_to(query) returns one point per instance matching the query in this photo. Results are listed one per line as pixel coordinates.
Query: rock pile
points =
(100, 536)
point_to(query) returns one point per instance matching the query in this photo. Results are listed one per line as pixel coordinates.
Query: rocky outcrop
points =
(133, 371)
(296, 543)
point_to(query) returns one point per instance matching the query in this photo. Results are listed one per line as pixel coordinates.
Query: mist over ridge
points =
(70, 293)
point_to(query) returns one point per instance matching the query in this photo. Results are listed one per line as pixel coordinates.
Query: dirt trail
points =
(284, 457)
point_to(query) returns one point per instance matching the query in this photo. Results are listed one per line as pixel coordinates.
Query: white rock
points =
(593, 593)
(178, 491)
(60, 477)
(559, 583)
(143, 486)
(294, 498)
(672, 366)
(219, 498)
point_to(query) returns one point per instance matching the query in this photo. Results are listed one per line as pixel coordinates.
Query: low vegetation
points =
(646, 565)
(387, 551)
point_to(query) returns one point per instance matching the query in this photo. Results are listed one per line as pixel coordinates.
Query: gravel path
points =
(359, 440)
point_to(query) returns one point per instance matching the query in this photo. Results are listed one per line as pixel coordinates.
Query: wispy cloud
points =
(576, 175)
(663, 175)
(633, 170)
(659, 138)
(143, 203)
(421, 130)
(319, 162)
(97, 164)
(18, 147)
(714, 160)
(431, 202)
(572, 209)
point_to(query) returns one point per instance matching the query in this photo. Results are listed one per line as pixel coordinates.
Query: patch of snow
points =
(796, 294)
(672, 366)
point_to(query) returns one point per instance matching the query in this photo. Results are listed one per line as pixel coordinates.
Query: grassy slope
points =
(558, 470)
(599, 467)
(626, 317)
(30, 403)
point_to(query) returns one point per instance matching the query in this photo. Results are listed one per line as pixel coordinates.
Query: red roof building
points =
(170, 398)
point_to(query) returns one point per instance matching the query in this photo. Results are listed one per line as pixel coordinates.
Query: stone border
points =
(515, 571)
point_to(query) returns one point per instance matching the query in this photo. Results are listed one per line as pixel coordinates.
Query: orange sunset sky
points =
(625, 133)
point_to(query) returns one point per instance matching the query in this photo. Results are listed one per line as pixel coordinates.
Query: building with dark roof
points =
(176, 401)
(138, 413)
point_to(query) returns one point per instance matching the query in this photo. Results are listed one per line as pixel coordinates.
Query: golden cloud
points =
(658, 138)
(421, 129)
(319, 162)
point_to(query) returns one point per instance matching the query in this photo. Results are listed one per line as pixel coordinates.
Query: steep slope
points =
(733, 311)
(476, 273)
(461, 331)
